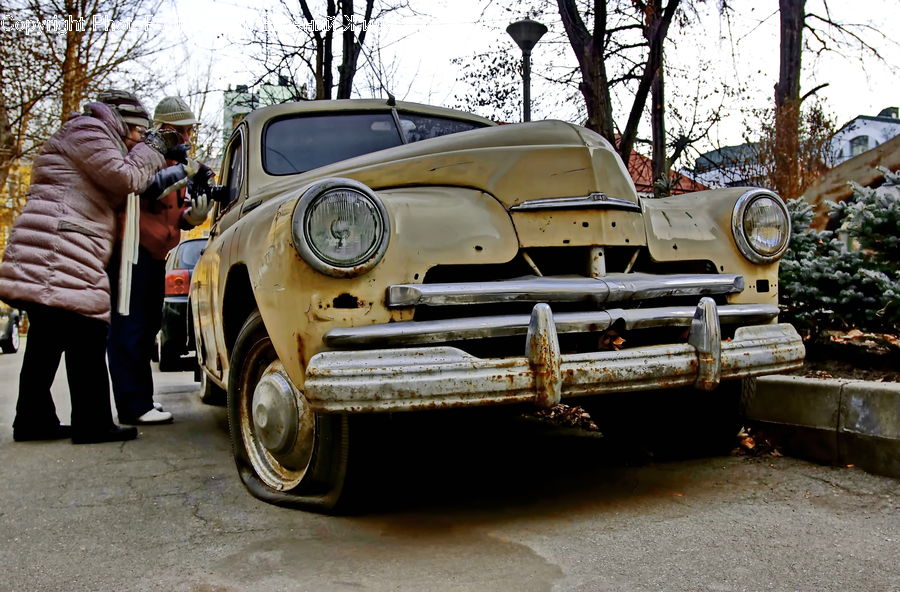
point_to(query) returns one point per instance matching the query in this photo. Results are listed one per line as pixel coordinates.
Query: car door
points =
(206, 290)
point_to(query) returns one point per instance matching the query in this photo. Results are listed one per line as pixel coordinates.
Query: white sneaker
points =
(152, 417)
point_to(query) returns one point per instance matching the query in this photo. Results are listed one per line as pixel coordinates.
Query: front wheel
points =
(286, 454)
(10, 345)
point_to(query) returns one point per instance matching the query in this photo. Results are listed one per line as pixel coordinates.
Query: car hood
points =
(514, 163)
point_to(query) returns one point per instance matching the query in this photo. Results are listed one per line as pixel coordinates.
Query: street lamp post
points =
(526, 33)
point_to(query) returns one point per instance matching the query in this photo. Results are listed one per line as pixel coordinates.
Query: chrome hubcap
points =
(274, 413)
(281, 420)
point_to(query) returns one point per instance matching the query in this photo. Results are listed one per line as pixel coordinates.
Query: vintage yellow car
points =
(372, 257)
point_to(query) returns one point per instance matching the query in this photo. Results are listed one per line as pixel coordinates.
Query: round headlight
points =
(340, 227)
(761, 226)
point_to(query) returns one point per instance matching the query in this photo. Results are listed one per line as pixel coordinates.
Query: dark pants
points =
(132, 337)
(52, 332)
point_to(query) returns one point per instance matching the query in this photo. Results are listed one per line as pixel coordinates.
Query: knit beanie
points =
(127, 105)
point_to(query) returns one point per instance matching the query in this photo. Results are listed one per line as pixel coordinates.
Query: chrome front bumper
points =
(405, 379)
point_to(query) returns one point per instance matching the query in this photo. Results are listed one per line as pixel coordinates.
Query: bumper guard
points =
(406, 379)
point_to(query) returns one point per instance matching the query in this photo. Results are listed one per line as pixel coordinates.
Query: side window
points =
(858, 145)
(235, 168)
(234, 171)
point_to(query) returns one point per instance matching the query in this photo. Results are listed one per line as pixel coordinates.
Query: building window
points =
(858, 145)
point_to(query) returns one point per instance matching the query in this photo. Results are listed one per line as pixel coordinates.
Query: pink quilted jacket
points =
(61, 243)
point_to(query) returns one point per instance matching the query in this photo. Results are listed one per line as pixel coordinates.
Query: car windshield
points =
(299, 144)
(189, 253)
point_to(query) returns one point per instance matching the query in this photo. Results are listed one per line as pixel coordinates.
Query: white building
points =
(864, 132)
(733, 166)
(729, 166)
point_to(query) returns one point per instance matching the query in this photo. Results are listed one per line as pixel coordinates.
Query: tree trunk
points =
(74, 67)
(661, 185)
(349, 52)
(589, 52)
(351, 46)
(658, 107)
(594, 89)
(328, 53)
(656, 29)
(7, 140)
(319, 73)
(787, 99)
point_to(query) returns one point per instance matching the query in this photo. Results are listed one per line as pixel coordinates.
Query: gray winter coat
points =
(61, 243)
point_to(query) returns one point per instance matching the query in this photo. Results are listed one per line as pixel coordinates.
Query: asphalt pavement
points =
(459, 507)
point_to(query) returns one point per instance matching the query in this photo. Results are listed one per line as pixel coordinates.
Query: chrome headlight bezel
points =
(744, 244)
(310, 253)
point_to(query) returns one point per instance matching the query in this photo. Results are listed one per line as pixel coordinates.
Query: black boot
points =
(54, 432)
(111, 434)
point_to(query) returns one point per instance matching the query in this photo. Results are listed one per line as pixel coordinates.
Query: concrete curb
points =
(834, 421)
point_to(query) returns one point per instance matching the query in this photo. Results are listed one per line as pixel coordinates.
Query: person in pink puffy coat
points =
(55, 264)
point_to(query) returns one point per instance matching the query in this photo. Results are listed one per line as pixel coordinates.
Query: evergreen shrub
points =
(847, 279)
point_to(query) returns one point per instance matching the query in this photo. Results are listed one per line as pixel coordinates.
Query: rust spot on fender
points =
(346, 300)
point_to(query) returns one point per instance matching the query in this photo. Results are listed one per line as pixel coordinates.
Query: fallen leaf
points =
(676, 495)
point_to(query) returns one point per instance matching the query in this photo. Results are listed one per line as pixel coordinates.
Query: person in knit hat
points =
(132, 336)
(54, 266)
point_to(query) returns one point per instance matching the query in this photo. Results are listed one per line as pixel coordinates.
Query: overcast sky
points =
(421, 46)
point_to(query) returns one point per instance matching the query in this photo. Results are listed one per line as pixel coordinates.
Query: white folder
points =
(129, 257)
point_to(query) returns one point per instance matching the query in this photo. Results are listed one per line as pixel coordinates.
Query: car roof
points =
(263, 114)
(176, 248)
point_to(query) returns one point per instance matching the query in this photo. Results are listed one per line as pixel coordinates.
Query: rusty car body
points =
(375, 257)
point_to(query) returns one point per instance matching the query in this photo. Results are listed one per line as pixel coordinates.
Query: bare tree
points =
(493, 82)
(298, 42)
(53, 54)
(618, 47)
(56, 54)
(653, 20)
(103, 36)
(380, 71)
(26, 81)
(593, 48)
(825, 34)
(787, 98)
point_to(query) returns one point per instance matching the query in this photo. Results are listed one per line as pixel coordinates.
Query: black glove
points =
(179, 153)
(170, 179)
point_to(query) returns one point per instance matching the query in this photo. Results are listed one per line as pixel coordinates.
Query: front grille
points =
(564, 261)
(486, 309)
